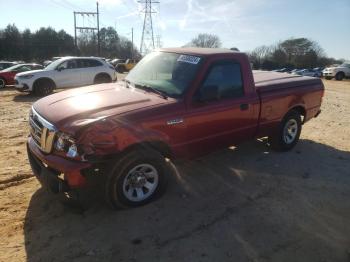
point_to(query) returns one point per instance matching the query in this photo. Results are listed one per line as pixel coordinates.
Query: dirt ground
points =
(240, 204)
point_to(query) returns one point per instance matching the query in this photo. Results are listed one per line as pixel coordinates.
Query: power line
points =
(88, 28)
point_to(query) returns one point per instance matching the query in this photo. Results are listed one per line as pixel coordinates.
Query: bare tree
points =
(259, 54)
(205, 40)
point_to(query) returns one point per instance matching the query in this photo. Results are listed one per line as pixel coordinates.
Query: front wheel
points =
(288, 133)
(339, 76)
(136, 179)
(43, 87)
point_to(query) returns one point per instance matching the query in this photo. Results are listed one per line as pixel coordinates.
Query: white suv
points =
(339, 72)
(66, 72)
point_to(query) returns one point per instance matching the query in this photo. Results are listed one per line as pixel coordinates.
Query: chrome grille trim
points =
(42, 131)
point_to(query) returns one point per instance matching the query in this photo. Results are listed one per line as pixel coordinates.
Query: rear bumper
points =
(48, 168)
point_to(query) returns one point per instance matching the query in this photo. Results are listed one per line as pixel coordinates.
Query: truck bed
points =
(266, 81)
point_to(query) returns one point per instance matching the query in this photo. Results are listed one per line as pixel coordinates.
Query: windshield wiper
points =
(152, 89)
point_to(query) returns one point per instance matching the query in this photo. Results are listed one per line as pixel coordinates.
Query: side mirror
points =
(208, 93)
(59, 69)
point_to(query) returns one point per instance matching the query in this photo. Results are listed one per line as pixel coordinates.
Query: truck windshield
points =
(168, 73)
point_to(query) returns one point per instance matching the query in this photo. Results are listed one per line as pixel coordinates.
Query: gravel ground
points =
(241, 204)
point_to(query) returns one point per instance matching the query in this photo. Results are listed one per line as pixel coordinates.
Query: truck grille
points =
(42, 132)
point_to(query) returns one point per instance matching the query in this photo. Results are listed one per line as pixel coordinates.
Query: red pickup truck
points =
(176, 103)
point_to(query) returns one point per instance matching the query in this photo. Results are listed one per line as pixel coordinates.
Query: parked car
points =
(294, 70)
(307, 72)
(337, 72)
(319, 70)
(127, 66)
(176, 103)
(6, 64)
(282, 70)
(7, 76)
(66, 72)
(116, 61)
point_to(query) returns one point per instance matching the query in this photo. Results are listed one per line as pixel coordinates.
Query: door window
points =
(227, 78)
(70, 64)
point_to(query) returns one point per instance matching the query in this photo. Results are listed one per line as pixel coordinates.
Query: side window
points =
(72, 64)
(82, 63)
(227, 78)
(93, 63)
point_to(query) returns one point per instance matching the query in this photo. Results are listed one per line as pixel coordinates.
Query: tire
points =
(2, 83)
(288, 133)
(328, 77)
(132, 169)
(339, 76)
(43, 87)
(102, 79)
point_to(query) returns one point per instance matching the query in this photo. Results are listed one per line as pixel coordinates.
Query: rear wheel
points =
(287, 136)
(2, 83)
(136, 179)
(43, 87)
(102, 78)
(339, 76)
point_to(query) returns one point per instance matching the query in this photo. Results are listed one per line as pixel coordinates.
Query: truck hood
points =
(81, 106)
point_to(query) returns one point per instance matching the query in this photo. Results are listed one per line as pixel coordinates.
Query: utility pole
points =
(98, 31)
(87, 29)
(147, 39)
(75, 34)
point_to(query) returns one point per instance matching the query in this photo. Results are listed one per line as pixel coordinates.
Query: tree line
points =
(46, 43)
(291, 53)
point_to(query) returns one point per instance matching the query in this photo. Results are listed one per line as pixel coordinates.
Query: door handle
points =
(244, 107)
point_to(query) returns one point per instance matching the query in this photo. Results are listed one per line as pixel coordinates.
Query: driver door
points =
(68, 74)
(227, 119)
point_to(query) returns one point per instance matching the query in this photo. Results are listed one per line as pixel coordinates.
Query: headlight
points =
(26, 76)
(66, 144)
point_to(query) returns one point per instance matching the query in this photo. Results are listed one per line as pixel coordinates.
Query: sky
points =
(244, 24)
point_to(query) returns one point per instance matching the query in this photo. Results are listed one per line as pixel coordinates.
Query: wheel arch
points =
(300, 109)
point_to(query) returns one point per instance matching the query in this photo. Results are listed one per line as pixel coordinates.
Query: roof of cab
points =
(198, 51)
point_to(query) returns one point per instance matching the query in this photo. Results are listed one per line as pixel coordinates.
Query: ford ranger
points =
(176, 103)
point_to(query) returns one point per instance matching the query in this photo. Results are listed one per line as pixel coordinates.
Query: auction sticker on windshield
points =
(189, 59)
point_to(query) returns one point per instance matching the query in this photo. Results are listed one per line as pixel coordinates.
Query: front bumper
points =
(22, 87)
(48, 169)
(328, 74)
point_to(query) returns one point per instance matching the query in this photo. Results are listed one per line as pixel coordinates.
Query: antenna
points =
(147, 39)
